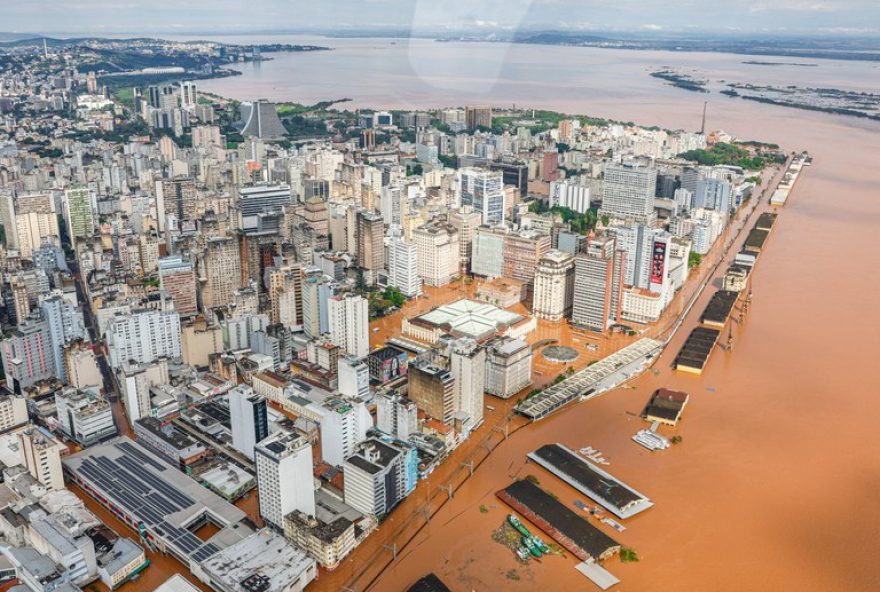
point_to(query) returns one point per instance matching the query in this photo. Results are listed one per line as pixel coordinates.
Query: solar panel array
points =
(146, 496)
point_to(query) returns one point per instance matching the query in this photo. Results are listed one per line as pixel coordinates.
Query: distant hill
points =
(7, 37)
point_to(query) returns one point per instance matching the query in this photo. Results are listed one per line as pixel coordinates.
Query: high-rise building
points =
(478, 117)
(636, 241)
(36, 221)
(569, 195)
(66, 324)
(628, 192)
(135, 382)
(220, 272)
(317, 290)
(42, 457)
(522, 251)
(598, 284)
(432, 389)
(285, 296)
(249, 419)
(353, 378)
(396, 415)
(712, 194)
(178, 279)
(487, 252)
(554, 286)
(508, 366)
(344, 425)
(403, 265)
(28, 355)
(178, 198)
(379, 475)
(466, 221)
(437, 252)
(79, 206)
(370, 243)
(262, 199)
(484, 191)
(143, 336)
(467, 364)
(81, 367)
(189, 96)
(284, 477)
(349, 323)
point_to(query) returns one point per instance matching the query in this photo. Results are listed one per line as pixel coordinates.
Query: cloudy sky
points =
(151, 16)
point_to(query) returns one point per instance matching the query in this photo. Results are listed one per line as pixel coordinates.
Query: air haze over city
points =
(421, 296)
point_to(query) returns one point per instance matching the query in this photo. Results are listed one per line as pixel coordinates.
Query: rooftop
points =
(470, 318)
(263, 562)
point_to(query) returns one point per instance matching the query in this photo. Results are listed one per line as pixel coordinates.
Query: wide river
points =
(776, 485)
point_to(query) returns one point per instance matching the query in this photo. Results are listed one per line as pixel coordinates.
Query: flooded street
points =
(774, 485)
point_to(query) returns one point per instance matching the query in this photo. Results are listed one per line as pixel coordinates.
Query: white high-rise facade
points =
(628, 192)
(403, 266)
(284, 477)
(568, 195)
(344, 425)
(248, 417)
(350, 323)
(143, 336)
(484, 190)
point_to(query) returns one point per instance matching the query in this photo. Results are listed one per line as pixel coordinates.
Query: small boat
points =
(519, 526)
(522, 553)
(531, 546)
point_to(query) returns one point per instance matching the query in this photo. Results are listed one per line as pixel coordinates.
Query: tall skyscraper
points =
(36, 221)
(176, 197)
(466, 221)
(349, 324)
(178, 280)
(28, 355)
(79, 205)
(284, 477)
(554, 286)
(598, 284)
(370, 241)
(188, 95)
(478, 117)
(379, 475)
(220, 272)
(403, 265)
(65, 323)
(247, 414)
(432, 389)
(344, 425)
(628, 192)
(467, 363)
(484, 191)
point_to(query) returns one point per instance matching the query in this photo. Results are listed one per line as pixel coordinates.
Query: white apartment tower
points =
(349, 323)
(628, 192)
(248, 416)
(284, 477)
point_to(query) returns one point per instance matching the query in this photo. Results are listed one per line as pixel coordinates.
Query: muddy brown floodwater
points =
(775, 484)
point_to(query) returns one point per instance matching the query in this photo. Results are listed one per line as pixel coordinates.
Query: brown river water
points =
(776, 483)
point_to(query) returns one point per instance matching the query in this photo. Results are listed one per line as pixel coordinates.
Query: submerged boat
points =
(529, 544)
(519, 526)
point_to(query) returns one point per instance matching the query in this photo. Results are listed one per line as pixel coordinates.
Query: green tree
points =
(694, 259)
